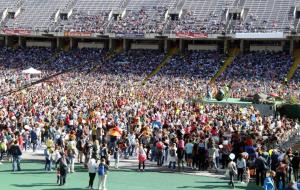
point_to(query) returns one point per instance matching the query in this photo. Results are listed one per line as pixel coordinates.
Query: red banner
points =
(79, 34)
(18, 32)
(191, 35)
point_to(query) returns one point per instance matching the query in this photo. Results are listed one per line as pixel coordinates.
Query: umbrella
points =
(156, 124)
(117, 128)
(26, 127)
(231, 156)
(245, 154)
(274, 95)
(115, 132)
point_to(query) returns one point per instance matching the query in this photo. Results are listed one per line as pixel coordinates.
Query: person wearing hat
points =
(232, 169)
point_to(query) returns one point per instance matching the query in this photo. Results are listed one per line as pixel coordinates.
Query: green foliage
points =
(293, 100)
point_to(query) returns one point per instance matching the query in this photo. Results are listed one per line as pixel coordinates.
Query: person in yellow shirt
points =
(49, 143)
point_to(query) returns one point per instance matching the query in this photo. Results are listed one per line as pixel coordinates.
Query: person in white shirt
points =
(131, 143)
(172, 156)
(92, 168)
(217, 156)
(241, 167)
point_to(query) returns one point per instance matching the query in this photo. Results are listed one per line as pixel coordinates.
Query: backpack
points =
(103, 152)
(46, 153)
(3, 147)
(15, 150)
(101, 170)
(59, 141)
(63, 163)
(159, 145)
(71, 152)
(79, 145)
(172, 153)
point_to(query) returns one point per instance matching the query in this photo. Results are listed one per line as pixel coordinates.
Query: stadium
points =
(149, 94)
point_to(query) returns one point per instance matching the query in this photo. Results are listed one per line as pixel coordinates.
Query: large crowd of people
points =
(140, 22)
(98, 111)
(260, 72)
(191, 23)
(84, 22)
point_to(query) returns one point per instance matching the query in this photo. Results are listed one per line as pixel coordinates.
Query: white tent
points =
(31, 71)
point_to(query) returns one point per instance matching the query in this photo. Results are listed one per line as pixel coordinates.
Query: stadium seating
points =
(145, 16)
(91, 15)
(148, 16)
(6, 4)
(266, 16)
(202, 16)
(36, 15)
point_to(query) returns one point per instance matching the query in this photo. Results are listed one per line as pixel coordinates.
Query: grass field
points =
(34, 178)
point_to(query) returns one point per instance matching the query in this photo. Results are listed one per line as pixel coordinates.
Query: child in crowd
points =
(117, 157)
(172, 156)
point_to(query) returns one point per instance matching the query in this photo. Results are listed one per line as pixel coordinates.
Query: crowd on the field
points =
(100, 110)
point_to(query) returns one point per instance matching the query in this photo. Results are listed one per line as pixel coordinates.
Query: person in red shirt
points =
(20, 142)
(159, 149)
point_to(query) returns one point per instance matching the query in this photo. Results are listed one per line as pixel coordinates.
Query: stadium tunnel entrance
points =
(89, 43)
(2, 41)
(49, 42)
(12, 41)
(144, 44)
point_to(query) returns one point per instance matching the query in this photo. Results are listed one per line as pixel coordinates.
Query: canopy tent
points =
(31, 71)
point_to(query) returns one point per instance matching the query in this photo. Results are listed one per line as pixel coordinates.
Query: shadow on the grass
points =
(49, 185)
(147, 170)
(25, 171)
(205, 187)
(210, 182)
(34, 185)
(63, 187)
(220, 185)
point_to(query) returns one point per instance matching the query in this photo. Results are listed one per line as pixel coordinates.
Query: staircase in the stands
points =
(165, 61)
(232, 54)
(295, 64)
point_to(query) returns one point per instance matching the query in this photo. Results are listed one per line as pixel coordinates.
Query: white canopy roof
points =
(31, 71)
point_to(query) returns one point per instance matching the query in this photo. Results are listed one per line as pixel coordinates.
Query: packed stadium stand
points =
(92, 15)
